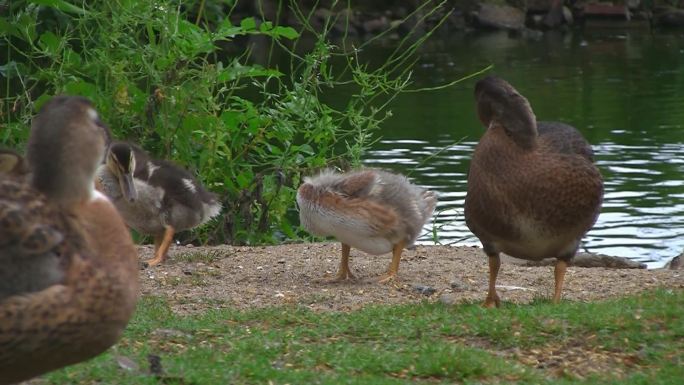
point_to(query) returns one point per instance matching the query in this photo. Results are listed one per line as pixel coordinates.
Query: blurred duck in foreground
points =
(533, 189)
(69, 269)
(371, 210)
(154, 197)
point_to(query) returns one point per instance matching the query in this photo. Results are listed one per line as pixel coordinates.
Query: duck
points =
(372, 210)
(69, 276)
(155, 197)
(533, 189)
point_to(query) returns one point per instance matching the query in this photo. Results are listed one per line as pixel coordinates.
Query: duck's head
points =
(66, 145)
(500, 105)
(121, 162)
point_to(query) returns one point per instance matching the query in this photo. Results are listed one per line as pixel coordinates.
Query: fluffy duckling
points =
(372, 210)
(154, 197)
(533, 189)
(69, 276)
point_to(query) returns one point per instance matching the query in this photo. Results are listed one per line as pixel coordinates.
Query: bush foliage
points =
(182, 80)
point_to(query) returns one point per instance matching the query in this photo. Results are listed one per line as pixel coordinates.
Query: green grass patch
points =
(634, 340)
(199, 256)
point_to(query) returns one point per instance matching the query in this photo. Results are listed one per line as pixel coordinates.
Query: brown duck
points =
(533, 189)
(69, 280)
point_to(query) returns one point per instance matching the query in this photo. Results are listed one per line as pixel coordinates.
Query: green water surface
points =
(624, 89)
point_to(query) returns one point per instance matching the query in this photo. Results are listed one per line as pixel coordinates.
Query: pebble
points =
(127, 364)
(458, 285)
(425, 290)
(171, 333)
(448, 299)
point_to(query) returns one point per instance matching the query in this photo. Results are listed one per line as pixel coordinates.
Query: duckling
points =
(154, 197)
(372, 210)
(68, 282)
(533, 189)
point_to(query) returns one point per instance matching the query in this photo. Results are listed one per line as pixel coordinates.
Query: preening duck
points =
(533, 189)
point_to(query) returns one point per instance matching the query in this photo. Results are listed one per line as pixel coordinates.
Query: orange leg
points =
(493, 298)
(394, 265)
(344, 272)
(161, 246)
(559, 275)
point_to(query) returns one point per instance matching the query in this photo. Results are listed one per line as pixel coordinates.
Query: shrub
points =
(162, 74)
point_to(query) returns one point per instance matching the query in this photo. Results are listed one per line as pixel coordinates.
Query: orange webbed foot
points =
(491, 302)
(388, 278)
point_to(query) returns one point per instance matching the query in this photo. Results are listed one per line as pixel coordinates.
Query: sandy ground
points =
(197, 278)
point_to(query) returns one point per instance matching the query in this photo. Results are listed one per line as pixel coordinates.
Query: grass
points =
(634, 340)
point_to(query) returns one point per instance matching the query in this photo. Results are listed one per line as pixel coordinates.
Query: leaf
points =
(72, 58)
(6, 28)
(42, 99)
(61, 5)
(286, 228)
(286, 32)
(307, 149)
(27, 25)
(227, 30)
(50, 43)
(193, 39)
(10, 70)
(237, 70)
(248, 24)
(245, 179)
(82, 88)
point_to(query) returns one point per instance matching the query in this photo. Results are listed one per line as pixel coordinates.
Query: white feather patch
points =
(189, 185)
(211, 210)
(95, 195)
(151, 168)
(92, 114)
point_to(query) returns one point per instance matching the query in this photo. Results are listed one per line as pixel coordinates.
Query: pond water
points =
(624, 89)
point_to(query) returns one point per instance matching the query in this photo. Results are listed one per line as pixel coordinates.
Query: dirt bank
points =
(198, 278)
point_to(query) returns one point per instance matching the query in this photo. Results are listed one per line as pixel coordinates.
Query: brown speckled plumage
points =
(533, 190)
(68, 267)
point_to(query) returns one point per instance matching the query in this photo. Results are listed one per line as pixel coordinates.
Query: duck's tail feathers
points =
(428, 204)
(211, 207)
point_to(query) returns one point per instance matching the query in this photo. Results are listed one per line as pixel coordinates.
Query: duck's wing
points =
(12, 164)
(565, 139)
(31, 237)
(67, 322)
(179, 185)
(358, 184)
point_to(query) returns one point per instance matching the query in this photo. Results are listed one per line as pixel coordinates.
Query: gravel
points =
(198, 278)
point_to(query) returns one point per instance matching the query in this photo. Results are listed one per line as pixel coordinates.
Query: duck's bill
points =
(128, 188)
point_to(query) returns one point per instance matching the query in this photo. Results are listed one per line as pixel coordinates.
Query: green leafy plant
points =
(183, 81)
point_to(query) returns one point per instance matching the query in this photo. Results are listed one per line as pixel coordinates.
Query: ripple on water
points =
(634, 221)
